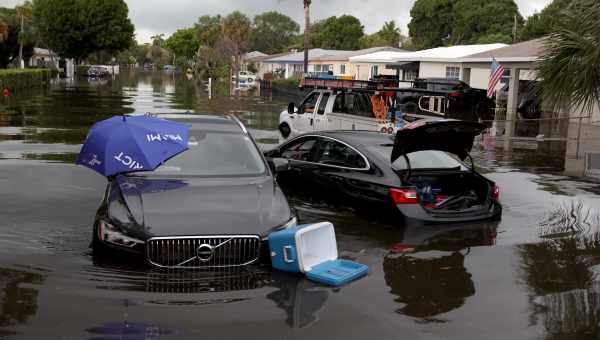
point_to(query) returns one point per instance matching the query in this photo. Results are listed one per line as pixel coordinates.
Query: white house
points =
(372, 64)
(43, 58)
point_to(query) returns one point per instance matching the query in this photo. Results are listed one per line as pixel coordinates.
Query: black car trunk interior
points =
(452, 191)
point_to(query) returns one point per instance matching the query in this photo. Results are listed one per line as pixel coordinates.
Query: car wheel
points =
(285, 130)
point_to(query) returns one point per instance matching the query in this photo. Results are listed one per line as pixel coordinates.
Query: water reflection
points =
(129, 331)
(426, 272)
(17, 302)
(299, 298)
(561, 273)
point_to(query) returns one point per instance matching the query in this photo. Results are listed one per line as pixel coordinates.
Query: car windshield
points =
(425, 159)
(215, 154)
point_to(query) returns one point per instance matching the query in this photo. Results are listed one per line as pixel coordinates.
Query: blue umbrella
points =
(124, 144)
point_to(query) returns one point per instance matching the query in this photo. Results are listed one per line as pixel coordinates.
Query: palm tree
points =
(306, 32)
(390, 33)
(569, 70)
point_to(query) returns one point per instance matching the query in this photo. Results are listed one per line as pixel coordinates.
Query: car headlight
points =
(111, 234)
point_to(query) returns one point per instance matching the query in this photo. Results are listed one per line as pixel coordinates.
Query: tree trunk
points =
(306, 33)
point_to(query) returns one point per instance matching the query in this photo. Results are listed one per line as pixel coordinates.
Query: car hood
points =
(450, 135)
(200, 206)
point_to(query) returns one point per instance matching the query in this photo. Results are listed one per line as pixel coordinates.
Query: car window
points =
(335, 153)
(426, 159)
(215, 154)
(323, 103)
(353, 103)
(308, 105)
(302, 149)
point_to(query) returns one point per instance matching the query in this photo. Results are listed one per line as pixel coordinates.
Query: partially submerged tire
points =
(285, 130)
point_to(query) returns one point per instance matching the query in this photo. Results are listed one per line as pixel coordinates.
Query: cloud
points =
(151, 17)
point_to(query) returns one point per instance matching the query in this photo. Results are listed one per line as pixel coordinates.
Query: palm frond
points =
(569, 70)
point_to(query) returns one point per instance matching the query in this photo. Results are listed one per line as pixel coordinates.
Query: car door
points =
(320, 117)
(301, 154)
(342, 171)
(306, 112)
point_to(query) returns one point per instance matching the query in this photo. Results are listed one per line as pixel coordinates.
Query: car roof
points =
(201, 122)
(359, 137)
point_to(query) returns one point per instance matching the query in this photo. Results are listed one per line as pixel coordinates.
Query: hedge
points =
(23, 78)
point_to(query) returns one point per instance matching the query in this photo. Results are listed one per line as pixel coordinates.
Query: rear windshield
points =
(426, 159)
(215, 154)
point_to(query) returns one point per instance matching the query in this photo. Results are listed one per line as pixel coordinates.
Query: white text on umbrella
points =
(163, 138)
(128, 161)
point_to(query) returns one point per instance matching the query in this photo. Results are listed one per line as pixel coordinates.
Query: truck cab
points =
(324, 109)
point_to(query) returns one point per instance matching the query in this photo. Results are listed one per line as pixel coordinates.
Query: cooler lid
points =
(337, 272)
(315, 244)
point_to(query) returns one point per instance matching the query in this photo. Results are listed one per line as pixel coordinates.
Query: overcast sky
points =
(159, 16)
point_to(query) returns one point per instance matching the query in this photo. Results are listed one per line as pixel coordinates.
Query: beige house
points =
(320, 61)
(342, 63)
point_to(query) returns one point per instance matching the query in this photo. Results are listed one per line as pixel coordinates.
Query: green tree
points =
(476, 19)
(272, 32)
(183, 43)
(236, 35)
(339, 33)
(544, 22)
(208, 29)
(437, 23)
(431, 23)
(11, 37)
(568, 71)
(389, 35)
(158, 40)
(76, 28)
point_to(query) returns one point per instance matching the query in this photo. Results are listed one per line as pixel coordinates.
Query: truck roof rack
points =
(343, 82)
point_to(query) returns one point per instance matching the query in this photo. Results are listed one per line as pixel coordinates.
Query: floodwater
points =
(532, 275)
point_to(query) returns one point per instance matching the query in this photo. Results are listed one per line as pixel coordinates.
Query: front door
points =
(306, 112)
(320, 117)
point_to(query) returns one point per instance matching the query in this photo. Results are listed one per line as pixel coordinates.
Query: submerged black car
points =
(210, 206)
(418, 176)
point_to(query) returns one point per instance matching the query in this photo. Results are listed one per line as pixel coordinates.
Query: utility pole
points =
(306, 33)
(21, 64)
(515, 30)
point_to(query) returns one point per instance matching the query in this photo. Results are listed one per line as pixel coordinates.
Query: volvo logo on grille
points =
(205, 252)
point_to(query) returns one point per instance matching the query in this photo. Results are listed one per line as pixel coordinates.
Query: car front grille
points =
(221, 251)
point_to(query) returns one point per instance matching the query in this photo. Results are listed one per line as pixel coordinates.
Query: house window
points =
(343, 69)
(452, 72)
(409, 75)
(374, 71)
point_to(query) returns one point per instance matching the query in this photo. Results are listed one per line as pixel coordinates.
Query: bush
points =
(294, 82)
(23, 78)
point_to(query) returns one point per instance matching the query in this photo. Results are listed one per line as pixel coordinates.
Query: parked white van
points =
(324, 109)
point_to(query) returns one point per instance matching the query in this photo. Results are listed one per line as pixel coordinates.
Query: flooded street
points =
(532, 275)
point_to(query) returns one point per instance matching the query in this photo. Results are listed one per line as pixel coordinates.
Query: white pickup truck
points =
(331, 110)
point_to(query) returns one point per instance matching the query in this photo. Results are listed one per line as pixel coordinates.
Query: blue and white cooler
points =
(312, 249)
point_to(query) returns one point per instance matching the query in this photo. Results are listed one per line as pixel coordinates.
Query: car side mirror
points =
(278, 164)
(291, 108)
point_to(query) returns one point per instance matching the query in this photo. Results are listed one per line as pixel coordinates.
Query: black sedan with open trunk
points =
(421, 175)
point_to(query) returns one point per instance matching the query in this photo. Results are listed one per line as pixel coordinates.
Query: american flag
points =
(496, 75)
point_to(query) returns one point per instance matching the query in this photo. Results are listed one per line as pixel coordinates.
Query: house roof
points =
(41, 51)
(379, 57)
(254, 54)
(521, 52)
(347, 55)
(261, 58)
(319, 54)
(450, 53)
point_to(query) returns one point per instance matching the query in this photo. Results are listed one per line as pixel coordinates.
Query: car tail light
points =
(495, 192)
(454, 94)
(404, 196)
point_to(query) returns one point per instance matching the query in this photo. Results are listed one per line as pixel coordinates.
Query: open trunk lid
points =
(449, 135)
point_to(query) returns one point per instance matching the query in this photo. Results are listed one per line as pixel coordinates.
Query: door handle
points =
(311, 122)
